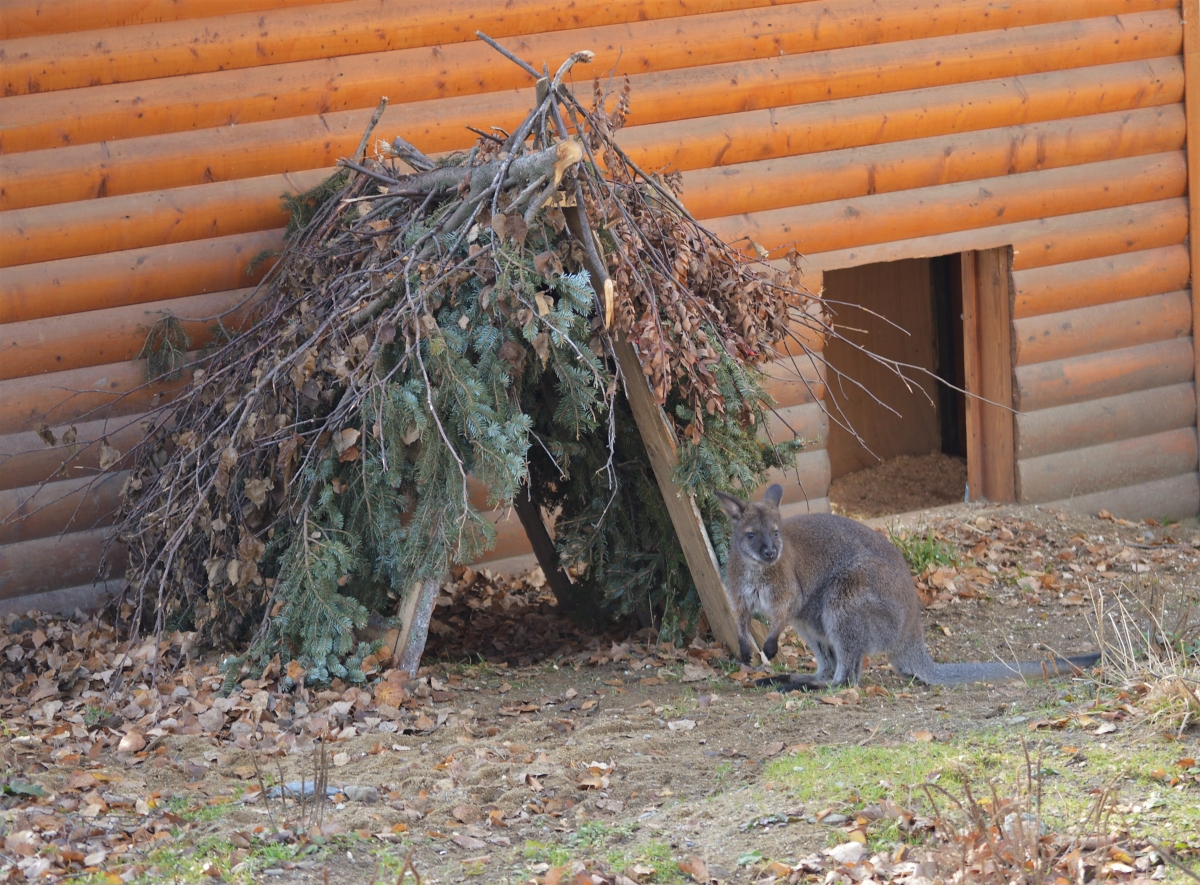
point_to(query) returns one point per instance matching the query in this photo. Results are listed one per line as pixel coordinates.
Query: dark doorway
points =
(908, 444)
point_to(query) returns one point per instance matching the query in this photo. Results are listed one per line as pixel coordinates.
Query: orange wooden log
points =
(27, 460)
(73, 341)
(87, 597)
(808, 422)
(882, 218)
(809, 481)
(794, 382)
(818, 505)
(83, 172)
(1110, 419)
(1098, 234)
(856, 172)
(94, 282)
(124, 55)
(28, 18)
(1108, 466)
(225, 41)
(1070, 333)
(899, 116)
(90, 394)
(1075, 237)
(120, 111)
(1173, 498)
(88, 171)
(511, 539)
(76, 559)
(72, 505)
(1060, 382)
(155, 218)
(1100, 280)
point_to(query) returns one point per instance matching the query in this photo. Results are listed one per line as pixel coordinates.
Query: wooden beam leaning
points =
(1191, 95)
(662, 449)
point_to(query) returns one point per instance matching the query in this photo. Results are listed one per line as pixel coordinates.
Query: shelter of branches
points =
(1007, 182)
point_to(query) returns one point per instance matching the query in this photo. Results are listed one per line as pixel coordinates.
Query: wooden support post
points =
(987, 360)
(971, 376)
(661, 447)
(415, 614)
(1191, 98)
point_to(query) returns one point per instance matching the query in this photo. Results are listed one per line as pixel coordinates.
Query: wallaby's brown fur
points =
(847, 591)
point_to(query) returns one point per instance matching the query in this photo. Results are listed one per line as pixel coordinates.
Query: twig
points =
(366, 137)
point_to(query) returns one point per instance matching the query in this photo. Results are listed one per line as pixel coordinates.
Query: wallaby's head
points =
(756, 534)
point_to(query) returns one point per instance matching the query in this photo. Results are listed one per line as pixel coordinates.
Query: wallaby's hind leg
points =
(822, 650)
(793, 682)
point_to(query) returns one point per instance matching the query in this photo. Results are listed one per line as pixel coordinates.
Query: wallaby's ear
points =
(774, 494)
(733, 506)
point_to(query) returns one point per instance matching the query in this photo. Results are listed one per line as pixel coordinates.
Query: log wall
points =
(145, 145)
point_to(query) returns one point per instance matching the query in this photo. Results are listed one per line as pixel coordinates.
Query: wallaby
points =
(847, 591)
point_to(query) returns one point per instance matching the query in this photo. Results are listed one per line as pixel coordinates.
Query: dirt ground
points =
(539, 746)
(900, 485)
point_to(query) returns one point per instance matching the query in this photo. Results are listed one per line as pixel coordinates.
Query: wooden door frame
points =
(988, 369)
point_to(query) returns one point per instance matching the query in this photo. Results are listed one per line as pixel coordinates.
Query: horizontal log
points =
(72, 505)
(1074, 237)
(1106, 420)
(1097, 234)
(91, 394)
(808, 422)
(819, 505)
(511, 539)
(95, 282)
(154, 218)
(729, 31)
(1070, 333)
(227, 42)
(76, 558)
(1097, 375)
(926, 162)
(1078, 284)
(808, 481)
(1107, 466)
(26, 459)
(794, 382)
(28, 18)
(883, 218)
(34, 122)
(901, 116)
(52, 344)
(87, 597)
(1173, 498)
(87, 171)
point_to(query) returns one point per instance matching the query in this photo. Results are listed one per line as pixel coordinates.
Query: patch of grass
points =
(922, 549)
(657, 855)
(1074, 771)
(543, 852)
(685, 703)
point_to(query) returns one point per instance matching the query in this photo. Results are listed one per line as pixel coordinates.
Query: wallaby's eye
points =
(776, 533)
(750, 536)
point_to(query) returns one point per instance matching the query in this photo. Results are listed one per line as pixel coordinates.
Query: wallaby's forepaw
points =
(771, 648)
(793, 682)
(745, 651)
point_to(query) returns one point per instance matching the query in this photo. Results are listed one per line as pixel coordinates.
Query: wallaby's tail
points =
(957, 674)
